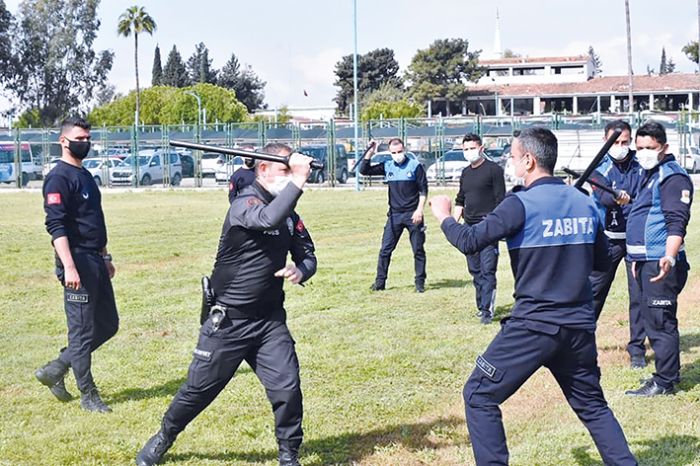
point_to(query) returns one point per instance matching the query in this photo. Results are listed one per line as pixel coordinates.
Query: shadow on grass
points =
(502, 311)
(344, 448)
(669, 449)
(448, 283)
(690, 341)
(168, 389)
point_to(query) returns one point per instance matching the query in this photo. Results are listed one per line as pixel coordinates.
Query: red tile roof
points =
(603, 85)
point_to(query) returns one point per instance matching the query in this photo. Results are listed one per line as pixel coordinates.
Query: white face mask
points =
(471, 155)
(519, 180)
(648, 158)
(618, 152)
(278, 184)
(399, 157)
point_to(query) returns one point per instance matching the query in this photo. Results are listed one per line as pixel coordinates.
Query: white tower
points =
(497, 51)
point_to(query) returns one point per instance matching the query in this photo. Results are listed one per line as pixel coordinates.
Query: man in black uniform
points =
(248, 320)
(555, 240)
(481, 188)
(408, 188)
(76, 223)
(242, 177)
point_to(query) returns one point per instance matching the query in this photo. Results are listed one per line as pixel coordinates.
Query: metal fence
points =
(26, 155)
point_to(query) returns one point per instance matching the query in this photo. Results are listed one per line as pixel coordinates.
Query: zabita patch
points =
(76, 298)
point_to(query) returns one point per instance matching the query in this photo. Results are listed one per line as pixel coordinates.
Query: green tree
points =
(442, 70)
(157, 71)
(389, 102)
(6, 58)
(56, 69)
(595, 59)
(175, 73)
(691, 51)
(135, 21)
(170, 105)
(663, 66)
(373, 69)
(199, 66)
(249, 88)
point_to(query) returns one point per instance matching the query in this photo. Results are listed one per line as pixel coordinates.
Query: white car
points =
(448, 167)
(689, 157)
(223, 172)
(153, 165)
(101, 168)
(211, 162)
(29, 166)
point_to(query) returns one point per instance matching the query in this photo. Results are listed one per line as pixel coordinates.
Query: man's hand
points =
(110, 269)
(373, 145)
(665, 266)
(291, 273)
(417, 217)
(71, 279)
(441, 207)
(623, 198)
(300, 168)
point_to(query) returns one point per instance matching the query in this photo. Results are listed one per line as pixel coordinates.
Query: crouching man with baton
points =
(555, 239)
(247, 320)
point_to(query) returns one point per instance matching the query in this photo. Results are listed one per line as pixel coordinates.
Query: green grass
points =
(382, 374)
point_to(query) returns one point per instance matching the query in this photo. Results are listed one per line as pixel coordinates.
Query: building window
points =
(568, 69)
(498, 72)
(528, 71)
(522, 107)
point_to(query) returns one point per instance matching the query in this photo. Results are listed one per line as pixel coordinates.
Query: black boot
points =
(650, 388)
(153, 451)
(289, 453)
(91, 401)
(51, 375)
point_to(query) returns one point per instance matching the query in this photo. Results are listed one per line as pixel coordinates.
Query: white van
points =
(30, 168)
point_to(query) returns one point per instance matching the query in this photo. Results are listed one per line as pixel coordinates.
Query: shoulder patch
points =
(251, 201)
(685, 196)
(300, 225)
(53, 198)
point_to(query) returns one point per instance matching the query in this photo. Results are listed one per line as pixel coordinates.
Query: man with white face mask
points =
(481, 188)
(248, 320)
(408, 188)
(656, 229)
(620, 171)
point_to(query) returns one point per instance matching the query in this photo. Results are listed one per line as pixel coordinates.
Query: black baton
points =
(575, 175)
(598, 157)
(242, 153)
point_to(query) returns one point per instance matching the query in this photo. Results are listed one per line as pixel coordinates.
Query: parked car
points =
(152, 168)
(211, 161)
(101, 168)
(29, 166)
(690, 158)
(224, 172)
(320, 152)
(120, 152)
(448, 167)
(187, 162)
(498, 154)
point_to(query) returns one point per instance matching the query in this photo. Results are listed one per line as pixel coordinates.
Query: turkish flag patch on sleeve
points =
(300, 226)
(53, 198)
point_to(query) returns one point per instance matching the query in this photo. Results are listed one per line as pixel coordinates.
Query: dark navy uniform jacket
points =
(625, 176)
(555, 239)
(72, 202)
(258, 233)
(661, 208)
(407, 182)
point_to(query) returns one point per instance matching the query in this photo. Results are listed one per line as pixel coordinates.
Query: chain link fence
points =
(136, 157)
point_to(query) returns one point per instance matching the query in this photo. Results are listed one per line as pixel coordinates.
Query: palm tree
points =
(136, 20)
(629, 56)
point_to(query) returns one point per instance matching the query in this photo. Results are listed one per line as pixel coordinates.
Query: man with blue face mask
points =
(481, 188)
(408, 188)
(656, 229)
(620, 171)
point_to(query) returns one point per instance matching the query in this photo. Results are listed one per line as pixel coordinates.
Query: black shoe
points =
(650, 388)
(638, 362)
(91, 401)
(420, 287)
(51, 375)
(289, 455)
(486, 317)
(479, 313)
(153, 451)
(377, 286)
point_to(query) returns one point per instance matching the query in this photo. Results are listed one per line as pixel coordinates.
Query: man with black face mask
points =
(76, 223)
(245, 176)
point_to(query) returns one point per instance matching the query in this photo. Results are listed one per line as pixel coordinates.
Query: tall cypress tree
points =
(157, 72)
(175, 73)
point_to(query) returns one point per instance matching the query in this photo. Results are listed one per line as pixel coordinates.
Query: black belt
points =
(235, 313)
(80, 250)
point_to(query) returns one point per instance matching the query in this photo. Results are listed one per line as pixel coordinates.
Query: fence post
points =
(330, 160)
(18, 159)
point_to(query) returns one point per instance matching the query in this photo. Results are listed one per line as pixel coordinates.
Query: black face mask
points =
(79, 149)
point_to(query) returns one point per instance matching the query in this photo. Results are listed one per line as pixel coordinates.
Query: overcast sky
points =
(294, 45)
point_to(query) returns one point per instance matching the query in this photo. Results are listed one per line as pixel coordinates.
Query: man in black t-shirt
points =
(244, 176)
(481, 189)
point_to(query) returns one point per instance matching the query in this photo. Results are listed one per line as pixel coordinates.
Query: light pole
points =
(198, 137)
(355, 106)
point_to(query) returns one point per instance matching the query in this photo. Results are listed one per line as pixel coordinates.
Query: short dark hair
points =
(622, 125)
(396, 141)
(471, 137)
(542, 144)
(71, 122)
(654, 130)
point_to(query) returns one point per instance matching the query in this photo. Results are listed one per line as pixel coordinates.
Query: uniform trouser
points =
(482, 266)
(395, 224)
(517, 351)
(659, 305)
(601, 283)
(91, 314)
(268, 347)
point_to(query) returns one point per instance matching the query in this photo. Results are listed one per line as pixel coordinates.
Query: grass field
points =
(382, 374)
